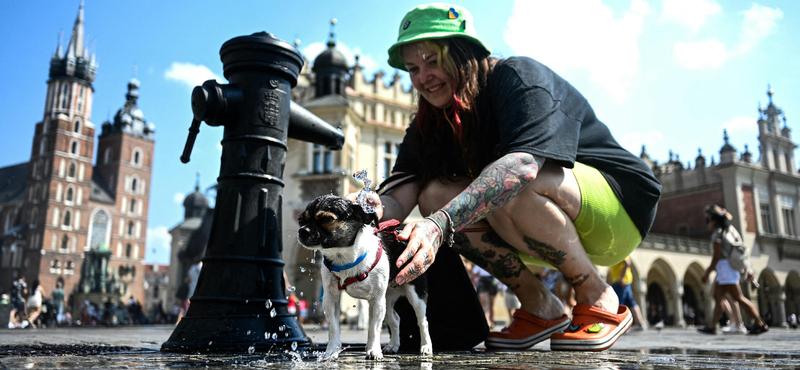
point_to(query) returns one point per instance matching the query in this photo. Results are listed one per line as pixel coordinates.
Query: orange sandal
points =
(592, 329)
(525, 331)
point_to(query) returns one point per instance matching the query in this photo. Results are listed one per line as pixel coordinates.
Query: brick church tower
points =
(66, 219)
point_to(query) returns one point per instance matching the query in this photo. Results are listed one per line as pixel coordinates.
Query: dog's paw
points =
(375, 355)
(391, 348)
(426, 350)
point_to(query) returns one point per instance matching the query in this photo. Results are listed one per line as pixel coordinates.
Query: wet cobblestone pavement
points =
(132, 348)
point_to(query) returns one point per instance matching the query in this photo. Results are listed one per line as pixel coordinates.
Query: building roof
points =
(100, 194)
(188, 224)
(13, 181)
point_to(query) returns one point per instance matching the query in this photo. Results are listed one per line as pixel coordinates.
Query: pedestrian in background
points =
(621, 277)
(35, 300)
(724, 237)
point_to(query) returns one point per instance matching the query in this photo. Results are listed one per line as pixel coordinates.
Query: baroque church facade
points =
(66, 217)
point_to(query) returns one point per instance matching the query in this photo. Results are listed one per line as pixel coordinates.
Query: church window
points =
(131, 228)
(132, 206)
(70, 195)
(64, 243)
(64, 96)
(137, 157)
(71, 171)
(80, 100)
(73, 148)
(69, 269)
(77, 126)
(99, 234)
(67, 221)
(134, 184)
(128, 250)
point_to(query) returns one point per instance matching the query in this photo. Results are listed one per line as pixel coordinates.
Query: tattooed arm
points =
(498, 183)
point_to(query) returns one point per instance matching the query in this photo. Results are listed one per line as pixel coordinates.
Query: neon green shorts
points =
(606, 231)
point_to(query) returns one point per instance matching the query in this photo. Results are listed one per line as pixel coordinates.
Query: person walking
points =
(725, 237)
(621, 277)
(508, 162)
(35, 300)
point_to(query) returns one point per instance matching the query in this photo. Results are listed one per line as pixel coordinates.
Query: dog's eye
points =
(325, 217)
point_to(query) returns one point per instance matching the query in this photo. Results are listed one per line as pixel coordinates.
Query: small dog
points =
(361, 260)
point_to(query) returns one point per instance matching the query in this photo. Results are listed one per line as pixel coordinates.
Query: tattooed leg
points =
(490, 252)
(539, 222)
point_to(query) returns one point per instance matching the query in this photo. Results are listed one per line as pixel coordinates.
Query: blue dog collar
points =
(337, 268)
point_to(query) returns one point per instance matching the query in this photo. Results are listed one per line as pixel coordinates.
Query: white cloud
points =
(581, 35)
(158, 245)
(758, 23)
(692, 14)
(633, 141)
(739, 124)
(178, 198)
(190, 74)
(700, 55)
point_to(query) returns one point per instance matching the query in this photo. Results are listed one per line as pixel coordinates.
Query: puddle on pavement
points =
(111, 357)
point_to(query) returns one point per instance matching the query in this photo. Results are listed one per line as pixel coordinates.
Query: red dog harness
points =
(362, 276)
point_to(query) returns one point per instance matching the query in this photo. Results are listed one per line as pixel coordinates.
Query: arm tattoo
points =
(498, 183)
(554, 256)
(502, 263)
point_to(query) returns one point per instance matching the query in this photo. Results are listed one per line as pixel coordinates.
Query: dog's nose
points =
(304, 232)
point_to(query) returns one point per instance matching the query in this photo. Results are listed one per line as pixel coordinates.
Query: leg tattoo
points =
(576, 281)
(546, 252)
(502, 261)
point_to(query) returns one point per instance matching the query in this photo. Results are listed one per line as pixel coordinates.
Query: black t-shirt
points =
(538, 112)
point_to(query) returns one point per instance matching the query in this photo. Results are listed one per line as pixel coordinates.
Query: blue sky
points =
(669, 74)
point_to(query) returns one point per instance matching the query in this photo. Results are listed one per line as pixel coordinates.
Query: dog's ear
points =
(362, 216)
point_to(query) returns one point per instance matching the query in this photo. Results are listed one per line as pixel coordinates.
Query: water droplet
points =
(268, 304)
(294, 346)
(246, 301)
(302, 269)
(251, 350)
(274, 336)
(273, 313)
(266, 335)
(291, 289)
(209, 342)
(310, 279)
(301, 294)
(248, 332)
(282, 328)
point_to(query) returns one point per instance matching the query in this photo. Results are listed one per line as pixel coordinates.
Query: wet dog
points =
(360, 259)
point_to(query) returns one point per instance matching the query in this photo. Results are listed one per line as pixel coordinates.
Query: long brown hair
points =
(460, 136)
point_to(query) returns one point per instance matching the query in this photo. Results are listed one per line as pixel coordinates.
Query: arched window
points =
(99, 233)
(132, 207)
(70, 195)
(67, 221)
(73, 147)
(64, 95)
(77, 126)
(137, 157)
(71, 171)
(131, 228)
(64, 242)
(134, 184)
(128, 250)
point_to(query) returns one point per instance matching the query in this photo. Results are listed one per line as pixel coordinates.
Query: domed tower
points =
(124, 168)
(195, 204)
(330, 69)
(776, 146)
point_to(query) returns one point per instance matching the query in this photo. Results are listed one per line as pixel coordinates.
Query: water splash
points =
(273, 313)
(282, 328)
(362, 177)
(251, 350)
(268, 304)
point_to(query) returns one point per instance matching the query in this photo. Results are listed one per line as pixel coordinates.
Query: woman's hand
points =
(424, 239)
(373, 199)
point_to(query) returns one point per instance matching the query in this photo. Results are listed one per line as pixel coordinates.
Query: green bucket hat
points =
(433, 21)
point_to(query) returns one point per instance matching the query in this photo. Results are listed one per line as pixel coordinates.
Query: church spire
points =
(75, 46)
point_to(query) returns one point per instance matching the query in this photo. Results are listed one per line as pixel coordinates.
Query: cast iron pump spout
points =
(240, 301)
